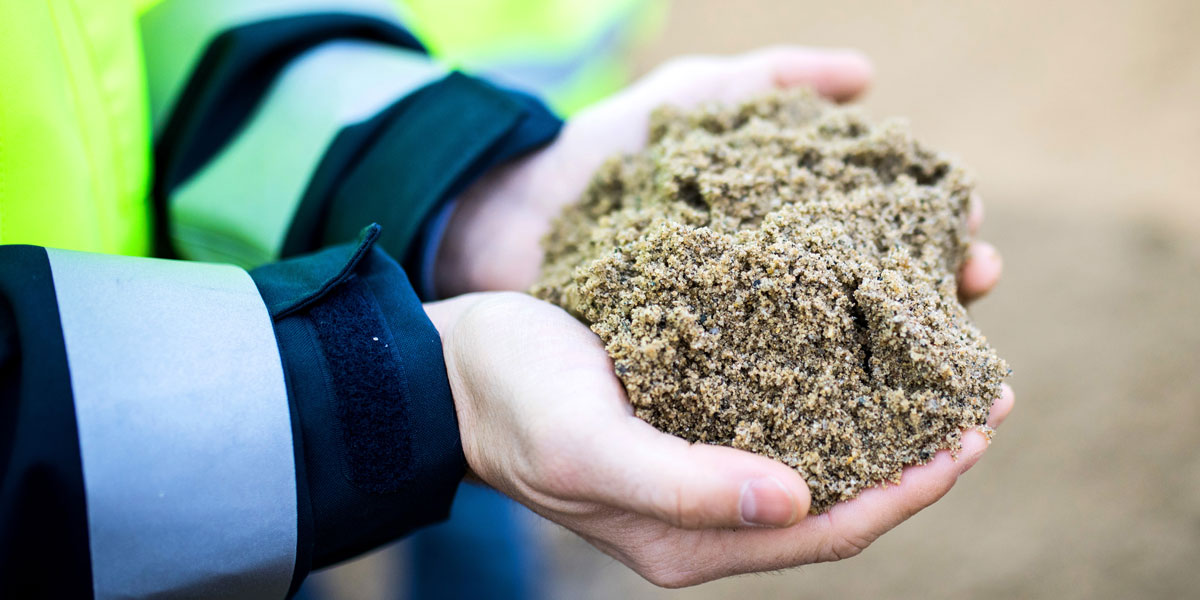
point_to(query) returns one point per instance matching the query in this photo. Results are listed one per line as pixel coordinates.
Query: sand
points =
(779, 277)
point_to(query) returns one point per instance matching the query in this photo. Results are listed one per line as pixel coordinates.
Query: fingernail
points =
(766, 502)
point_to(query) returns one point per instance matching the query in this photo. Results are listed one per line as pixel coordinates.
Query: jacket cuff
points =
(401, 166)
(375, 428)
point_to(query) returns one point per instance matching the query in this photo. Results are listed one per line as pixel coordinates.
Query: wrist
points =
(454, 261)
(486, 239)
(446, 316)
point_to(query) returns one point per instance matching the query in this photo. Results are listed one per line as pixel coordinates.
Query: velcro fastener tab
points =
(291, 286)
(370, 391)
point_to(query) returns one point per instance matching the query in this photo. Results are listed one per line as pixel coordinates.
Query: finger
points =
(975, 214)
(842, 532)
(693, 486)
(850, 526)
(1001, 406)
(980, 271)
(686, 82)
(594, 450)
(974, 444)
(839, 74)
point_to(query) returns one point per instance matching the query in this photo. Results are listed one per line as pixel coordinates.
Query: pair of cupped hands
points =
(544, 419)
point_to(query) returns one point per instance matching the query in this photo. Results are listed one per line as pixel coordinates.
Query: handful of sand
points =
(780, 277)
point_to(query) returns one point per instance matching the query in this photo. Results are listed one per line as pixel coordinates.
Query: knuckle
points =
(841, 547)
(840, 544)
(673, 505)
(688, 509)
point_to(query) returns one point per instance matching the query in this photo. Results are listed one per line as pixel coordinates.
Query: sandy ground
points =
(1082, 121)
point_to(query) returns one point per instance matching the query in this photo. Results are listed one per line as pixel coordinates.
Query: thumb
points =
(695, 486)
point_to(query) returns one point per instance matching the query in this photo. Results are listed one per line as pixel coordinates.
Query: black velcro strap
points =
(369, 387)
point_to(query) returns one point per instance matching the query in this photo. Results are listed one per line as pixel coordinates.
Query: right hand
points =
(544, 420)
(491, 242)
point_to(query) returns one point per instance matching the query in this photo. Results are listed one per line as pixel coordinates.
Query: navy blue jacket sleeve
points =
(43, 524)
(374, 436)
(372, 407)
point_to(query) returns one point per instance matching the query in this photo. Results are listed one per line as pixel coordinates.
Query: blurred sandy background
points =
(1082, 122)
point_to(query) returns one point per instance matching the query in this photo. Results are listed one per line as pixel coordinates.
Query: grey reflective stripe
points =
(176, 32)
(184, 430)
(239, 207)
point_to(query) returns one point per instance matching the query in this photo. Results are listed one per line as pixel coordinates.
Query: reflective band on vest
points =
(176, 32)
(239, 208)
(184, 430)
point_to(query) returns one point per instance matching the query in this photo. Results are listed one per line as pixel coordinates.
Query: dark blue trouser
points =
(487, 549)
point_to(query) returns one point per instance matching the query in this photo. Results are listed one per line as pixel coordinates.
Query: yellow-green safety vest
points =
(74, 126)
(75, 141)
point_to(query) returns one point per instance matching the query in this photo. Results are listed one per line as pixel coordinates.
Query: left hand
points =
(544, 420)
(493, 240)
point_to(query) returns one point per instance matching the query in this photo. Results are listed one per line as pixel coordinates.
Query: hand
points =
(493, 240)
(544, 420)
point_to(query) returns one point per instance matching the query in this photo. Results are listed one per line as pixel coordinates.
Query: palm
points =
(651, 500)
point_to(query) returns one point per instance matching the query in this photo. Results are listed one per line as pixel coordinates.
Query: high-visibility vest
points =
(75, 137)
(74, 126)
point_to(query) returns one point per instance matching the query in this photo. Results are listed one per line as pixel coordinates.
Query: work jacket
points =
(219, 426)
